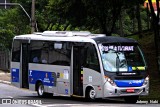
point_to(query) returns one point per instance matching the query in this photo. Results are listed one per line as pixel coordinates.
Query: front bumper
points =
(114, 91)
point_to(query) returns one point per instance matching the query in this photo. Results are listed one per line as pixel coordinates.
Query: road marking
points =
(60, 105)
(10, 96)
(72, 105)
(95, 105)
(37, 105)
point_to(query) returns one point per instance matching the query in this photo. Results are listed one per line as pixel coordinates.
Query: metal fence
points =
(4, 60)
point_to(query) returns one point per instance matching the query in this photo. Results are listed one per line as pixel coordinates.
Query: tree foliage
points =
(96, 16)
(101, 15)
(9, 27)
(156, 27)
(111, 17)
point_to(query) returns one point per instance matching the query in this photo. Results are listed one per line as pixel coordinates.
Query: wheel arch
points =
(88, 87)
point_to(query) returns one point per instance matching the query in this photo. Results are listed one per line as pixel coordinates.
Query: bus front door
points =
(24, 65)
(77, 71)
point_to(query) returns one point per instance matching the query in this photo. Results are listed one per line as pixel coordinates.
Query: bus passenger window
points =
(59, 54)
(44, 56)
(16, 51)
(35, 51)
(92, 58)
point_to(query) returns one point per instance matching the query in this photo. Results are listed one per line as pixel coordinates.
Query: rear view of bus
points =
(125, 69)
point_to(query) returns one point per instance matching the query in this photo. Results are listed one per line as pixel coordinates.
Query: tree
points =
(156, 28)
(104, 14)
(94, 15)
(10, 27)
(138, 16)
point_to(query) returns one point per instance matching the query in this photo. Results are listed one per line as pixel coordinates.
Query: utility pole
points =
(33, 17)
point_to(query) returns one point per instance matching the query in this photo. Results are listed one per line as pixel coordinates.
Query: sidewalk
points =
(5, 77)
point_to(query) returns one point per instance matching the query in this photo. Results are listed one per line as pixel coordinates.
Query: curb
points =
(5, 82)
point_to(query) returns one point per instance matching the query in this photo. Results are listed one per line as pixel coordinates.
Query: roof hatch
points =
(65, 33)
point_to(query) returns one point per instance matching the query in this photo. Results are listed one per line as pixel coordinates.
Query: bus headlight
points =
(110, 81)
(146, 80)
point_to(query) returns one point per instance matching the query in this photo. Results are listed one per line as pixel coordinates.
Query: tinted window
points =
(35, 51)
(47, 52)
(92, 57)
(60, 53)
(16, 51)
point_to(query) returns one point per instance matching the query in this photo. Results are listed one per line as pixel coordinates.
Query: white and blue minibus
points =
(79, 64)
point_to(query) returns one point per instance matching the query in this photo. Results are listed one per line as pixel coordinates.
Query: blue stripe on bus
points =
(15, 74)
(129, 83)
(44, 76)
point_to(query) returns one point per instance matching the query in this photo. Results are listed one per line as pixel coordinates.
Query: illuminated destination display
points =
(118, 48)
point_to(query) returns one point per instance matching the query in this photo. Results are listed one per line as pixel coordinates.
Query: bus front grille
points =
(129, 78)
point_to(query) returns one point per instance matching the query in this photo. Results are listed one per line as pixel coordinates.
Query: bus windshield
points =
(121, 58)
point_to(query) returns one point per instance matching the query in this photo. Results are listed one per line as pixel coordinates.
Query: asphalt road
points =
(22, 97)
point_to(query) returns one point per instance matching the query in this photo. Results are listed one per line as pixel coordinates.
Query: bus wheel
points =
(131, 99)
(90, 95)
(40, 90)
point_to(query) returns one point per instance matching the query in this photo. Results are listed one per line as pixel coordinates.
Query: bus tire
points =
(90, 94)
(131, 99)
(40, 89)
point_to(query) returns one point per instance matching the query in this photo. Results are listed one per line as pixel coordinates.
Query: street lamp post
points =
(33, 17)
(32, 20)
(17, 4)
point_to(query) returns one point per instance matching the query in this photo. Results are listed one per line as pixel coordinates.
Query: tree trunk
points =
(121, 26)
(138, 16)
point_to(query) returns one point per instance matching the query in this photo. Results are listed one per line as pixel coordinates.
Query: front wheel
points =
(131, 99)
(91, 94)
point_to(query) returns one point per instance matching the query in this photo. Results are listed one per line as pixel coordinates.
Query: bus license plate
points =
(131, 90)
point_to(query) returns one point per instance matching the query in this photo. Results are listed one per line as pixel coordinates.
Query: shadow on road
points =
(72, 100)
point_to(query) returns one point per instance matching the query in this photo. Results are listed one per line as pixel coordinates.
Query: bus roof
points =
(74, 36)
